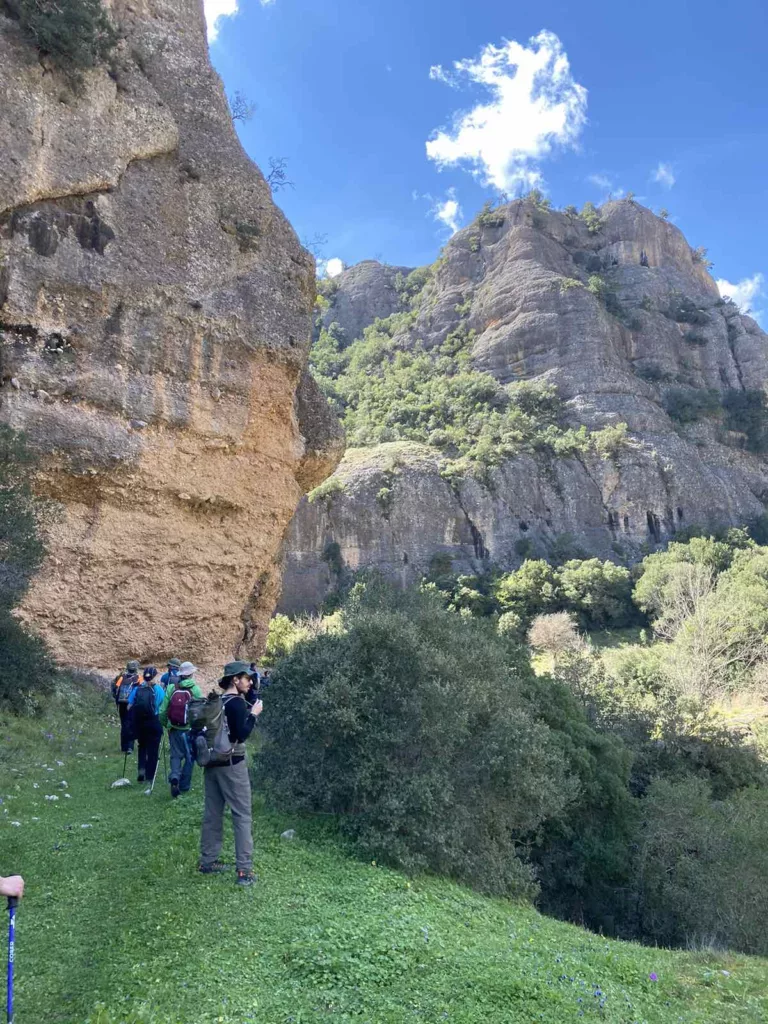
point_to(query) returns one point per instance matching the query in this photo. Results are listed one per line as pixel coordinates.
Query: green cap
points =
(132, 666)
(237, 668)
(174, 663)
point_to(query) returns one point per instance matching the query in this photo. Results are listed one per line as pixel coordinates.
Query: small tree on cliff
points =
(25, 668)
(76, 34)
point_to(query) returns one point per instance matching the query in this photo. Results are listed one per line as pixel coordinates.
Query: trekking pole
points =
(125, 762)
(12, 904)
(165, 763)
(157, 765)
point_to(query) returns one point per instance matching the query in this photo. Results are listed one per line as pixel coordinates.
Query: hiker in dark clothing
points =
(144, 703)
(171, 675)
(228, 782)
(121, 691)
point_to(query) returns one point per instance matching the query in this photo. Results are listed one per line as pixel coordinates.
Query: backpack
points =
(125, 684)
(177, 707)
(212, 743)
(172, 678)
(144, 702)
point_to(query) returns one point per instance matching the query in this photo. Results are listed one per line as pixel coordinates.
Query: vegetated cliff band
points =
(155, 314)
(614, 310)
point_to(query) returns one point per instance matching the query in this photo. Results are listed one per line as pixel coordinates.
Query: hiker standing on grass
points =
(173, 716)
(145, 702)
(226, 781)
(121, 691)
(171, 676)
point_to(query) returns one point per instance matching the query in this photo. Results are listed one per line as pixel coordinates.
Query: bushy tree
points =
(531, 590)
(702, 867)
(599, 592)
(422, 730)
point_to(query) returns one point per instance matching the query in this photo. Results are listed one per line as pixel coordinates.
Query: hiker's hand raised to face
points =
(13, 885)
(257, 708)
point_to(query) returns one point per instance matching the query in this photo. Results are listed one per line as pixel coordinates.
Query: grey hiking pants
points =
(181, 759)
(227, 784)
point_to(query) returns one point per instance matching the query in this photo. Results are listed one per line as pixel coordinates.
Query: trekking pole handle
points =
(13, 901)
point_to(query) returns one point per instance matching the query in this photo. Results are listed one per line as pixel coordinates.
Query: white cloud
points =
(217, 9)
(744, 293)
(601, 180)
(449, 211)
(535, 105)
(333, 267)
(664, 175)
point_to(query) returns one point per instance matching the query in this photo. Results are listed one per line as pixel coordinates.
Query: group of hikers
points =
(211, 731)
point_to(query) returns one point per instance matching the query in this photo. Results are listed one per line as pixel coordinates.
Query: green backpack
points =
(210, 730)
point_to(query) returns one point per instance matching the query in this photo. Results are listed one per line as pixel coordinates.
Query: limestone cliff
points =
(521, 277)
(155, 312)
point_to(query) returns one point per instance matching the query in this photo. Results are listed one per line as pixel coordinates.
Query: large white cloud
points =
(664, 175)
(535, 105)
(216, 9)
(448, 211)
(745, 293)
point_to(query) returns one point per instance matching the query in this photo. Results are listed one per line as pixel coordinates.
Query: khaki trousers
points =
(227, 784)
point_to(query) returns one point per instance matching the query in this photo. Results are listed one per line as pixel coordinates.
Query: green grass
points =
(118, 927)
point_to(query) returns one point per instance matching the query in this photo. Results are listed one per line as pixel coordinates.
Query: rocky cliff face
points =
(524, 277)
(155, 314)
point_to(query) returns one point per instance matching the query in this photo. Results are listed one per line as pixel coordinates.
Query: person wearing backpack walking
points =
(225, 774)
(121, 692)
(171, 675)
(144, 703)
(173, 716)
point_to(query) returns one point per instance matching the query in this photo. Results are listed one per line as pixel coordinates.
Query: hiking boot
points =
(212, 869)
(246, 878)
(140, 778)
(174, 788)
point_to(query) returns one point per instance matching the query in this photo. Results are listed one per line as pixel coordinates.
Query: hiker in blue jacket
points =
(144, 705)
(171, 675)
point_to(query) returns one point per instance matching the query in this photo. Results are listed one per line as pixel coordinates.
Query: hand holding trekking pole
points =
(13, 888)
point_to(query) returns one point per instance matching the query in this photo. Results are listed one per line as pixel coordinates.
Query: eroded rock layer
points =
(154, 326)
(520, 279)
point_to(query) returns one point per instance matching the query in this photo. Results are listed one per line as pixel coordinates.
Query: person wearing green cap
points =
(228, 783)
(121, 691)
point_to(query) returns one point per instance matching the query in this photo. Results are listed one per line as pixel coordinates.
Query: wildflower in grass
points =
(653, 976)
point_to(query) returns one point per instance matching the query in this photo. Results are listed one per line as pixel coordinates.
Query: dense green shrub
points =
(422, 730)
(591, 217)
(687, 405)
(746, 412)
(26, 672)
(684, 310)
(702, 867)
(599, 592)
(76, 34)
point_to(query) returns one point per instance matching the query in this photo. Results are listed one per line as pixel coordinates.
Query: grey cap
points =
(237, 668)
(132, 666)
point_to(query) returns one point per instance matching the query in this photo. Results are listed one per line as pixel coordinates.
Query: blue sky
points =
(398, 119)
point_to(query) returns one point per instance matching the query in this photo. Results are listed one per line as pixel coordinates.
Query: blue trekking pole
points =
(12, 904)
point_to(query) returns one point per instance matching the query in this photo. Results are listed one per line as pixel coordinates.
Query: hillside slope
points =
(622, 317)
(117, 927)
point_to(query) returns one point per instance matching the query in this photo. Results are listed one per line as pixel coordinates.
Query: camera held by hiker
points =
(122, 687)
(220, 749)
(145, 702)
(173, 716)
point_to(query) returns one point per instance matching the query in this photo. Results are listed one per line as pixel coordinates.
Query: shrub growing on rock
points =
(76, 34)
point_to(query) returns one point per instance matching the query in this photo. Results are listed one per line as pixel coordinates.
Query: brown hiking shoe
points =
(246, 878)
